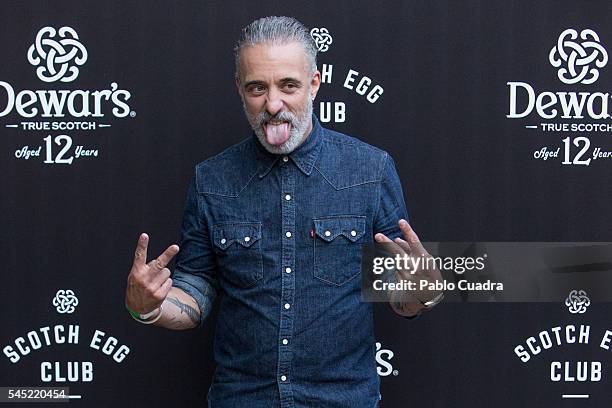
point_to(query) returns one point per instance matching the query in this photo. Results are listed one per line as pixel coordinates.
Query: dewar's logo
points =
(578, 57)
(575, 59)
(57, 60)
(577, 62)
(58, 55)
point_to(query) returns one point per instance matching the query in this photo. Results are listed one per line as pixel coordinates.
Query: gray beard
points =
(297, 134)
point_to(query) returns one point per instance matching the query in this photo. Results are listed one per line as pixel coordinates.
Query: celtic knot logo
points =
(575, 58)
(322, 38)
(65, 301)
(577, 301)
(58, 58)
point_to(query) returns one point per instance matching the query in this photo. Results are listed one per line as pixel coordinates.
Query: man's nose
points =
(274, 103)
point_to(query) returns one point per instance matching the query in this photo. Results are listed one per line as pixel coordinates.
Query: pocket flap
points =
(246, 234)
(350, 226)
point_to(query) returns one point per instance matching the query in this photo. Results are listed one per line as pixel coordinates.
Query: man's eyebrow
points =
(289, 79)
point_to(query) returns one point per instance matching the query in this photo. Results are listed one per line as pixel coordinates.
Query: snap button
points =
(288, 270)
(288, 234)
(327, 233)
(288, 197)
(285, 159)
(247, 239)
(223, 240)
(353, 233)
(287, 305)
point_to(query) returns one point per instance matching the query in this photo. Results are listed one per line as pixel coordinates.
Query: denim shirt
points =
(277, 240)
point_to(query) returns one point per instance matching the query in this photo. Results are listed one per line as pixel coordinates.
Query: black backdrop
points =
(468, 171)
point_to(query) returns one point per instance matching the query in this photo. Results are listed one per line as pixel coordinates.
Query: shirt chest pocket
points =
(337, 249)
(238, 249)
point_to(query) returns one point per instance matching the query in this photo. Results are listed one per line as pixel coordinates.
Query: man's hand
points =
(402, 302)
(148, 284)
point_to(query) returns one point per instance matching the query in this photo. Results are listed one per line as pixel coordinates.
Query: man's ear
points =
(315, 83)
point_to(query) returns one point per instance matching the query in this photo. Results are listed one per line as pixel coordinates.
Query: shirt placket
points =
(287, 283)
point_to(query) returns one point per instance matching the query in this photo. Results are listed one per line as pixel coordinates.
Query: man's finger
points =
(163, 290)
(393, 246)
(381, 238)
(405, 246)
(408, 232)
(166, 256)
(160, 278)
(412, 238)
(140, 256)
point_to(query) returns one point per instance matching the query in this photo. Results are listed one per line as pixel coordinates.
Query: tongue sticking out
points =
(277, 134)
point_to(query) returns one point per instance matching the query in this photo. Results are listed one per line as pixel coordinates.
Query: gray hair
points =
(276, 30)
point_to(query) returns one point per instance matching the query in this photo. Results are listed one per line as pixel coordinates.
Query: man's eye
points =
(257, 89)
(290, 86)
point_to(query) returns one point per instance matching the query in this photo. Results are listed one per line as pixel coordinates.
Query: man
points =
(272, 229)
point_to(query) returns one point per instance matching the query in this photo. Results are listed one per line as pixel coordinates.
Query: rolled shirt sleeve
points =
(195, 272)
(391, 205)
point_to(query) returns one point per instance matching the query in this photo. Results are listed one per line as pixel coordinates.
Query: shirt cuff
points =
(202, 296)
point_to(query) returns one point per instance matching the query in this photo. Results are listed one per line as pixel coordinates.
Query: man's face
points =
(277, 89)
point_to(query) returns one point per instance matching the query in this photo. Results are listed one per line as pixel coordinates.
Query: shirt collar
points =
(304, 157)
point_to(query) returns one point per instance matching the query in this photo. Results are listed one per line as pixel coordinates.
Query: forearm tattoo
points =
(193, 314)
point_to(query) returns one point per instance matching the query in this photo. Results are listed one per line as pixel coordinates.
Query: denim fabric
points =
(277, 239)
